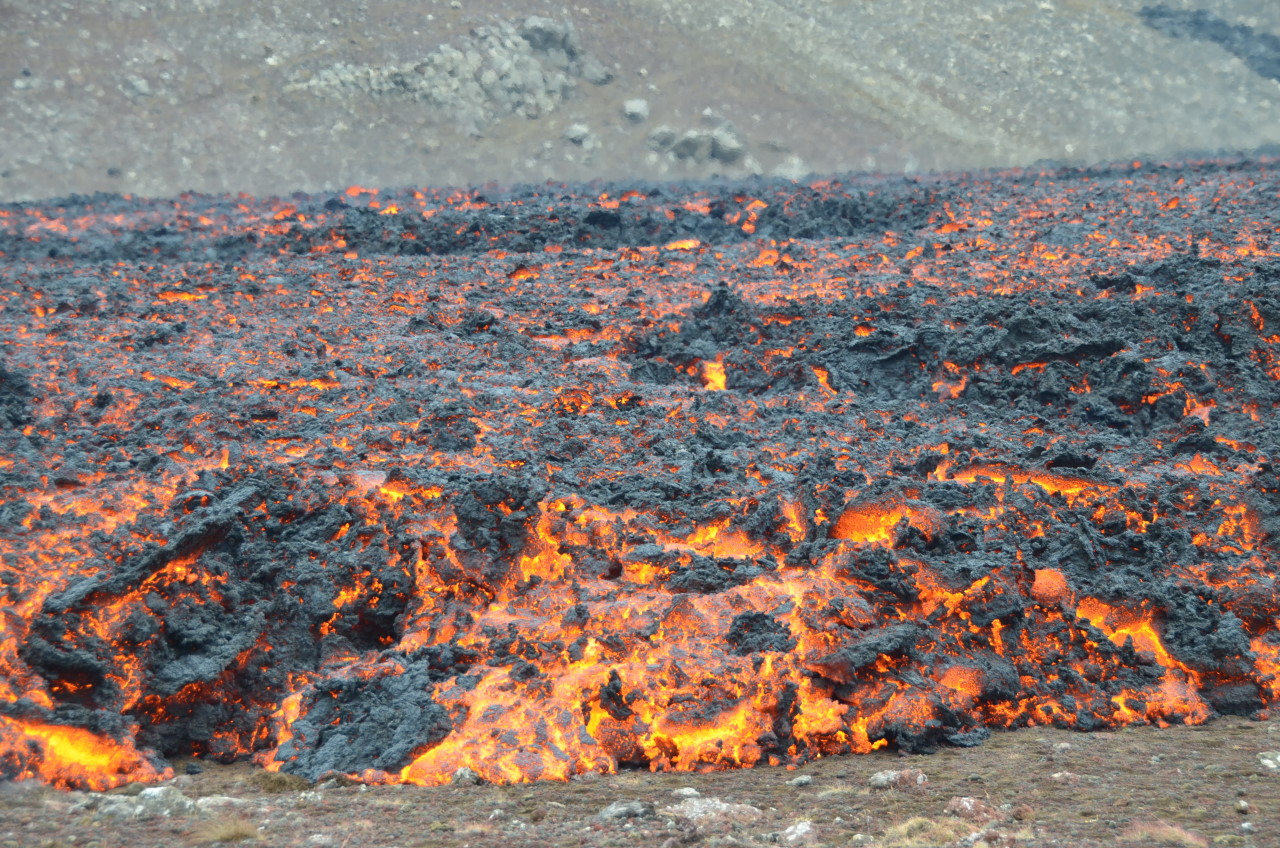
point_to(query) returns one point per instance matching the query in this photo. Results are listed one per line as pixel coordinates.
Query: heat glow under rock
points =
(568, 478)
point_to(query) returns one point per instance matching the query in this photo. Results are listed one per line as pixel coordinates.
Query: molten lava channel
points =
(564, 479)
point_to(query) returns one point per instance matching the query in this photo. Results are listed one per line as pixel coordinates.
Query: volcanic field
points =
(556, 479)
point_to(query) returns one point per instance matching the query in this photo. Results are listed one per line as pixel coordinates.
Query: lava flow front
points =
(566, 479)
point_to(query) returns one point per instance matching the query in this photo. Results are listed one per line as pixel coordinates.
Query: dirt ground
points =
(1142, 786)
(158, 97)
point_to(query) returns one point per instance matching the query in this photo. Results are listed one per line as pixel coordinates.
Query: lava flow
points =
(560, 479)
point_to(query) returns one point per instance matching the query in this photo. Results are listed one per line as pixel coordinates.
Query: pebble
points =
(686, 792)
(1270, 759)
(802, 780)
(1242, 807)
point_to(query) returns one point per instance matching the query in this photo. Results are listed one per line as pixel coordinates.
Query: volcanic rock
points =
(164, 801)
(636, 110)
(800, 833)
(661, 138)
(973, 810)
(465, 777)
(727, 144)
(903, 780)
(620, 810)
(501, 69)
(792, 168)
(713, 811)
(694, 145)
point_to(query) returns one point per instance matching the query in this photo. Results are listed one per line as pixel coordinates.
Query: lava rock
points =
(758, 632)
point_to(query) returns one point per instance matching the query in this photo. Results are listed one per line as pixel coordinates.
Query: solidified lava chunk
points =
(560, 479)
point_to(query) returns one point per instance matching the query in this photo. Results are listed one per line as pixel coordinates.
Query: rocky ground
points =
(226, 95)
(1217, 784)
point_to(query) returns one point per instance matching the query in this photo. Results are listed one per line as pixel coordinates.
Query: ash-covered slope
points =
(569, 478)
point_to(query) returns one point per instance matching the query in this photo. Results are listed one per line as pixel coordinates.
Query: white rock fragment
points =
(1270, 759)
(800, 833)
(465, 777)
(708, 810)
(577, 134)
(619, 810)
(217, 802)
(636, 110)
(902, 779)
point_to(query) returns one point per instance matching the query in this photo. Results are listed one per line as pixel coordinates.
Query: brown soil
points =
(1137, 786)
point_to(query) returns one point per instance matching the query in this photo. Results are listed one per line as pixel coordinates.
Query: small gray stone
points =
(577, 134)
(713, 810)
(619, 810)
(163, 801)
(136, 87)
(901, 779)
(792, 168)
(686, 792)
(545, 34)
(802, 780)
(727, 145)
(636, 110)
(593, 71)
(661, 138)
(694, 145)
(1270, 759)
(217, 802)
(800, 833)
(465, 777)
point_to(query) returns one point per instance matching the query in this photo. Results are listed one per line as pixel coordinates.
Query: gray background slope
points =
(160, 97)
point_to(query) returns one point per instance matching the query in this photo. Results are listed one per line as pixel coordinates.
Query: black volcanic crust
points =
(543, 480)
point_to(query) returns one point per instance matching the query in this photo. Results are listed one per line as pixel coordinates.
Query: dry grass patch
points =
(1161, 833)
(920, 832)
(226, 829)
(834, 791)
(278, 781)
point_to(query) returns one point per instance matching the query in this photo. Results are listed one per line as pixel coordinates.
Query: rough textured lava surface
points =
(566, 478)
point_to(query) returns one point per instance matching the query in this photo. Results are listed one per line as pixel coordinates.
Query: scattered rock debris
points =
(502, 69)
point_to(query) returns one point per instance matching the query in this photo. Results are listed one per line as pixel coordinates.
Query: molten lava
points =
(549, 481)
